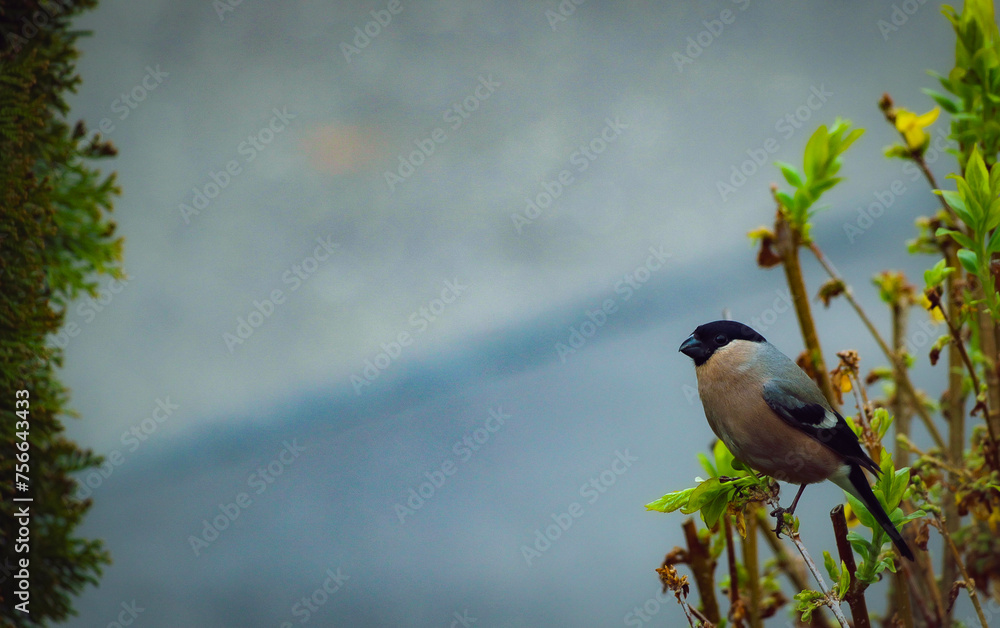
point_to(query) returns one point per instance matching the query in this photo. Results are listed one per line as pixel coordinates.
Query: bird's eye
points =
(721, 340)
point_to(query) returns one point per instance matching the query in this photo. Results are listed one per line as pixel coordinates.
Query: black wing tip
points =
(904, 549)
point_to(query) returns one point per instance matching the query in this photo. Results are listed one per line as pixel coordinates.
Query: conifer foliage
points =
(56, 239)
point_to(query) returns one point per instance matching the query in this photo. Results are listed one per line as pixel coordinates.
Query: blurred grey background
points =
(407, 281)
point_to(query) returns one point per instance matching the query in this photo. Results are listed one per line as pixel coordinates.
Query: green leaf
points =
(968, 259)
(824, 185)
(899, 483)
(958, 236)
(723, 459)
(936, 275)
(954, 200)
(971, 200)
(845, 580)
(816, 153)
(897, 151)
(671, 501)
(831, 567)
(786, 200)
(995, 178)
(702, 494)
(850, 139)
(711, 512)
(946, 103)
(807, 601)
(860, 544)
(993, 213)
(976, 175)
(913, 516)
(862, 513)
(791, 174)
(706, 464)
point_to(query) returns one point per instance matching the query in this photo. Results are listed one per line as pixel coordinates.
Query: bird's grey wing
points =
(822, 423)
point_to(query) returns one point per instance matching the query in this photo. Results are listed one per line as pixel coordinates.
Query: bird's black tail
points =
(861, 490)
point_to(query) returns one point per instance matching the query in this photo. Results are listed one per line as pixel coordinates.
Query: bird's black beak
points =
(694, 349)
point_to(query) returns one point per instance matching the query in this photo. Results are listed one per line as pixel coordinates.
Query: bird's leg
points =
(779, 512)
(795, 502)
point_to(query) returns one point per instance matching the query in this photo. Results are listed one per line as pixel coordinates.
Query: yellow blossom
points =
(912, 127)
(850, 516)
(845, 382)
(935, 313)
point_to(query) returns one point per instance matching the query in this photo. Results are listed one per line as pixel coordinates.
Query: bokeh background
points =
(338, 294)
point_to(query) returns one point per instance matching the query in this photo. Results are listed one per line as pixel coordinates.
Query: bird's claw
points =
(780, 523)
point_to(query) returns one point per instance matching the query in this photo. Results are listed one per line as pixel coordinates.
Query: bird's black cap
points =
(700, 345)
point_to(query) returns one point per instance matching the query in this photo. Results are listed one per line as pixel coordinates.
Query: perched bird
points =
(774, 419)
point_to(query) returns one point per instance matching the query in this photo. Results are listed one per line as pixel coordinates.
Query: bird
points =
(774, 418)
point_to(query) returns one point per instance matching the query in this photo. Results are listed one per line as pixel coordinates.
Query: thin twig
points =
(831, 601)
(791, 566)
(687, 612)
(889, 354)
(855, 597)
(750, 561)
(956, 337)
(703, 567)
(787, 242)
(890, 116)
(954, 411)
(735, 603)
(901, 404)
(943, 464)
(705, 622)
(970, 584)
